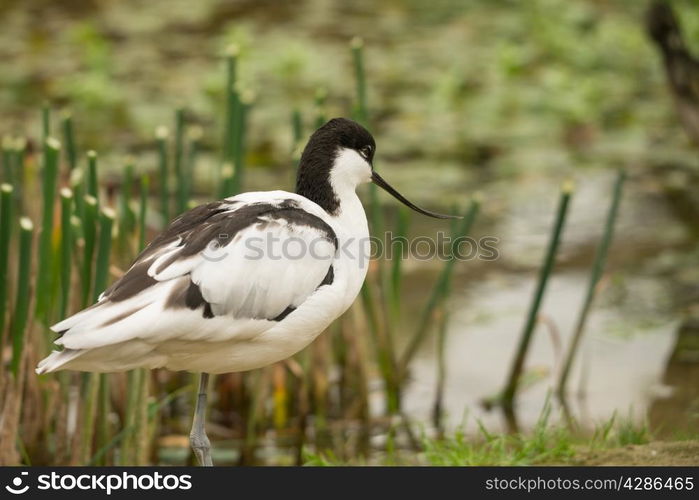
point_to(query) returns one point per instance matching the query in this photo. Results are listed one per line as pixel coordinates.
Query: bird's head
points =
(339, 156)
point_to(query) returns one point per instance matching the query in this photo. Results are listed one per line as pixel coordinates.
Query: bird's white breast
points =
(299, 329)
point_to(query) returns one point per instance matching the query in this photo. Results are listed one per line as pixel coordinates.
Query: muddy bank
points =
(656, 453)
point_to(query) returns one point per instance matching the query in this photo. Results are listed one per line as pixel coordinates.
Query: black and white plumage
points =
(202, 298)
(240, 283)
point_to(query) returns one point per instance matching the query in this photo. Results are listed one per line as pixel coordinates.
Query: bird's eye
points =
(365, 152)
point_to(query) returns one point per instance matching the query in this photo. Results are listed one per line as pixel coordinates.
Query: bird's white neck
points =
(348, 172)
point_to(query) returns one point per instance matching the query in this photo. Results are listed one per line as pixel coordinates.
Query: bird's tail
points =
(56, 360)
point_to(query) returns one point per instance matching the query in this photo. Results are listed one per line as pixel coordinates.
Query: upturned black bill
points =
(378, 180)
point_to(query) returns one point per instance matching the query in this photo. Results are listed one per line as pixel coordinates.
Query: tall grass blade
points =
(296, 129)
(45, 122)
(510, 390)
(89, 230)
(18, 167)
(44, 285)
(106, 224)
(6, 223)
(361, 112)
(440, 291)
(161, 135)
(92, 176)
(320, 98)
(143, 212)
(194, 136)
(398, 249)
(66, 259)
(69, 141)
(8, 174)
(142, 430)
(77, 181)
(127, 217)
(595, 275)
(442, 321)
(127, 443)
(246, 99)
(104, 249)
(91, 385)
(22, 298)
(230, 126)
(178, 163)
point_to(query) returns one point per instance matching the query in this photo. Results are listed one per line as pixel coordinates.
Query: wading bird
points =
(240, 283)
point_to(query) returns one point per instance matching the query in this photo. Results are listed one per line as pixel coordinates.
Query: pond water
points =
(630, 334)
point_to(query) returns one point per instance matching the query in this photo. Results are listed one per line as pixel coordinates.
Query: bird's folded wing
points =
(248, 261)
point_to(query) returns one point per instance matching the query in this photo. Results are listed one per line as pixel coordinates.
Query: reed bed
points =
(320, 400)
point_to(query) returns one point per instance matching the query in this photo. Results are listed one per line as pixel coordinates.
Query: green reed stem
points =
(399, 247)
(151, 412)
(510, 390)
(44, 286)
(441, 289)
(296, 138)
(66, 259)
(69, 141)
(438, 406)
(226, 186)
(21, 313)
(296, 128)
(45, 122)
(92, 178)
(127, 218)
(194, 136)
(103, 437)
(442, 319)
(141, 431)
(230, 125)
(320, 98)
(8, 175)
(19, 154)
(77, 185)
(180, 174)
(91, 383)
(161, 135)
(361, 111)
(104, 248)
(383, 347)
(127, 443)
(257, 395)
(595, 275)
(239, 151)
(143, 211)
(6, 222)
(89, 230)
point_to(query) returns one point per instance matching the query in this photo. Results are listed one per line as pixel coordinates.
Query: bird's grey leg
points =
(198, 438)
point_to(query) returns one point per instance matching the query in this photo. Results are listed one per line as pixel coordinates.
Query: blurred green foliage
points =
(510, 83)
